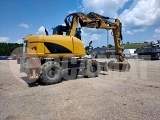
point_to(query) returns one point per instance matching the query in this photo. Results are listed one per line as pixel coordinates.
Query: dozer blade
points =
(120, 66)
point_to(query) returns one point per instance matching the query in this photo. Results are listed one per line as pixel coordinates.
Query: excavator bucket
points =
(120, 66)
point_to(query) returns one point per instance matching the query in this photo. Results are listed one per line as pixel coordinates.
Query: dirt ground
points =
(133, 95)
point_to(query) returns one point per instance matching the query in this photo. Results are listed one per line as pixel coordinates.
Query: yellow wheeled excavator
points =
(50, 57)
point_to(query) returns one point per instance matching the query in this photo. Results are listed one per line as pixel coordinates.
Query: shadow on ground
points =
(38, 82)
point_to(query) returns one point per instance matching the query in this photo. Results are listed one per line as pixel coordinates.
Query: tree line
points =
(6, 49)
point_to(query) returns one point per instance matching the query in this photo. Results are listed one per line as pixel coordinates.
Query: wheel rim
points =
(69, 72)
(51, 73)
(93, 68)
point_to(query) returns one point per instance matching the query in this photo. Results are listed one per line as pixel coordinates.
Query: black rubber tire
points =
(47, 77)
(158, 56)
(90, 65)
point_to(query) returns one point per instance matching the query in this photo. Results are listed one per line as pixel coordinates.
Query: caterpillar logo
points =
(34, 48)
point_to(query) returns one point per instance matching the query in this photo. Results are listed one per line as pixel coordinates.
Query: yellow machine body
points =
(53, 46)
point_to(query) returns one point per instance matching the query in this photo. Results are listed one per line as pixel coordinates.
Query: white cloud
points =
(144, 13)
(4, 39)
(136, 30)
(156, 35)
(157, 31)
(63, 24)
(92, 35)
(129, 32)
(86, 36)
(95, 37)
(41, 31)
(103, 7)
(71, 11)
(23, 25)
(140, 29)
(140, 15)
(19, 41)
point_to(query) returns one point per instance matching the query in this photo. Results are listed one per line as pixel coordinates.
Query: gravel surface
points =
(133, 95)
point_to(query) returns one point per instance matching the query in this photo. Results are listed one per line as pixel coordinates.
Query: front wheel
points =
(51, 73)
(92, 69)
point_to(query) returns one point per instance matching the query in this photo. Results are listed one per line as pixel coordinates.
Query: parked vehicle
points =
(4, 57)
(151, 51)
(130, 53)
(139, 52)
(102, 53)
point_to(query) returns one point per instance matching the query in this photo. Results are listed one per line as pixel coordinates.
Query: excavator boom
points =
(94, 20)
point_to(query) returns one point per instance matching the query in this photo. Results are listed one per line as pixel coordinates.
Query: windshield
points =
(60, 30)
(55, 31)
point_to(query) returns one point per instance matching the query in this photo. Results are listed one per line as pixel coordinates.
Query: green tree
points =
(110, 45)
(7, 48)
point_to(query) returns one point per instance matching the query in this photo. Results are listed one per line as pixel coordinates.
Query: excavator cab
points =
(78, 33)
(60, 29)
(64, 30)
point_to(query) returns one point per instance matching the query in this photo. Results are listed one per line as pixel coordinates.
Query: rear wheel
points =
(51, 73)
(158, 56)
(92, 69)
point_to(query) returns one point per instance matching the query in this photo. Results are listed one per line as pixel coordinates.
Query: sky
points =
(140, 19)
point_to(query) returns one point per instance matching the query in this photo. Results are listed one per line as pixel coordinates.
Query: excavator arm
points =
(94, 20)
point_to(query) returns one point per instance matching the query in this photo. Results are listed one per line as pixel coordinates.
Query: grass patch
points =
(134, 45)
